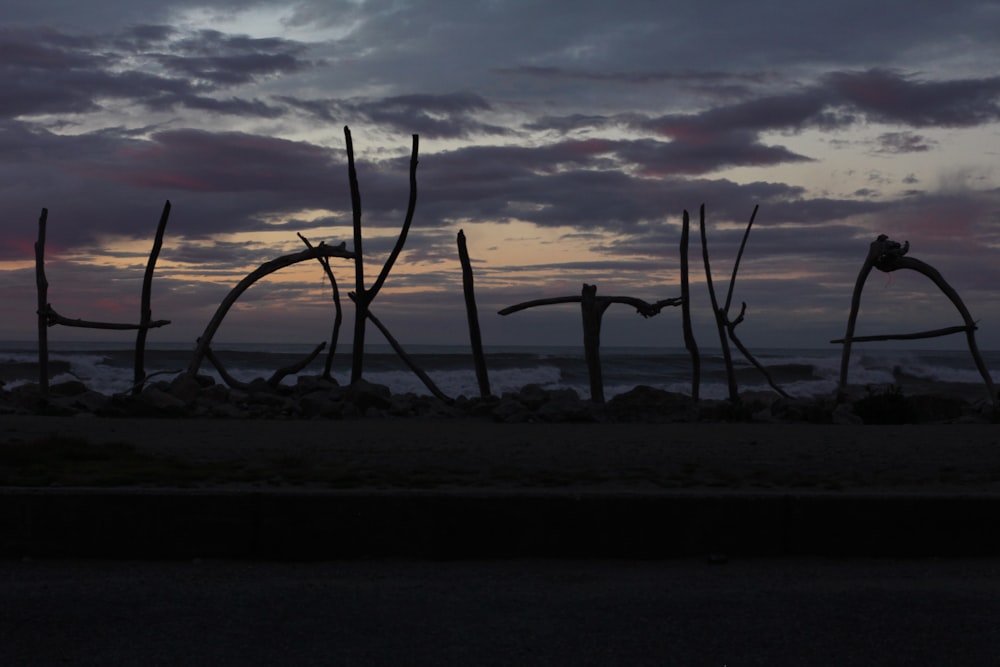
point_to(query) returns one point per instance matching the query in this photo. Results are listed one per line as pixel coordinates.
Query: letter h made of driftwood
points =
(48, 317)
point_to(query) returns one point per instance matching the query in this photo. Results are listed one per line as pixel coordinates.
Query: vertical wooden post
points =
(874, 251)
(593, 311)
(145, 309)
(475, 337)
(42, 284)
(360, 295)
(689, 341)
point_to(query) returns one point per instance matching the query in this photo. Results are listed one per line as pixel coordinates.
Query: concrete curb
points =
(168, 524)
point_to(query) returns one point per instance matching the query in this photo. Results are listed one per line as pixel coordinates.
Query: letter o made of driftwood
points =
(265, 269)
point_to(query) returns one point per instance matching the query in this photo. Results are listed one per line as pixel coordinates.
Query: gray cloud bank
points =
(608, 120)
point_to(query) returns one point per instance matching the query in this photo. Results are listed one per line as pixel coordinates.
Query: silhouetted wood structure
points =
(338, 310)
(48, 317)
(264, 270)
(727, 327)
(275, 378)
(363, 296)
(593, 308)
(689, 341)
(475, 337)
(887, 255)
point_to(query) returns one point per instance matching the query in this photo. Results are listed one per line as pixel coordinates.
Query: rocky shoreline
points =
(314, 397)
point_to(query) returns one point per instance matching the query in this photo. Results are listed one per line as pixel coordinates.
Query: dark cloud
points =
(607, 121)
(221, 162)
(903, 142)
(450, 115)
(214, 59)
(50, 72)
(891, 97)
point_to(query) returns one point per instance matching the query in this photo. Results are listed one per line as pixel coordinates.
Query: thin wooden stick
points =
(55, 318)
(42, 284)
(935, 333)
(338, 311)
(145, 309)
(291, 369)
(472, 313)
(689, 340)
(739, 256)
(407, 359)
(361, 296)
(875, 250)
(407, 221)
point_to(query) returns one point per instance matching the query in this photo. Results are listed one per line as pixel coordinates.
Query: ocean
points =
(107, 367)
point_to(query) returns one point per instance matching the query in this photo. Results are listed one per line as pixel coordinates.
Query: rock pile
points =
(314, 397)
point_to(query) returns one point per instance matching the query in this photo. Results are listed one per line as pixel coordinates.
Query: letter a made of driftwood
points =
(887, 255)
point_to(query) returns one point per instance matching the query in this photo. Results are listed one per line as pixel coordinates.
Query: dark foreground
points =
(515, 612)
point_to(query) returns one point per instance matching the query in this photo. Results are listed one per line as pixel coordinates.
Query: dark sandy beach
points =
(470, 454)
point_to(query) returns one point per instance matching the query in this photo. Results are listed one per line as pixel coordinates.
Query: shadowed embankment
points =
(468, 488)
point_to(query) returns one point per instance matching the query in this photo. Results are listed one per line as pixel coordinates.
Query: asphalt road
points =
(530, 612)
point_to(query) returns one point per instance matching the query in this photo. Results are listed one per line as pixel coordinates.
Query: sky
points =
(565, 139)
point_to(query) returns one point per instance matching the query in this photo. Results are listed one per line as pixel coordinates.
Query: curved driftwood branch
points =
(262, 271)
(223, 373)
(407, 221)
(736, 264)
(292, 369)
(338, 311)
(145, 308)
(875, 250)
(538, 302)
(275, 378)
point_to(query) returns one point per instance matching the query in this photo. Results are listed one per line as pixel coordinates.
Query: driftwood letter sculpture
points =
(887, 255)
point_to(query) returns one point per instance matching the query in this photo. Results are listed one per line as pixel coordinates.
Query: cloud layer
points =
(566, 145)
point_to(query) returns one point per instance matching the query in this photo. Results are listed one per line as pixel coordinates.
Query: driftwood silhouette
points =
(338, 310)
(689, 341)
(275, 378)
(593, 308)
(887, 255)
(264, 270)
(475, 337)
(363, 296)
(47, 315)
(727, 327)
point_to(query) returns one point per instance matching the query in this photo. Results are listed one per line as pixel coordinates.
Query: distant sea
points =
(107, 367)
